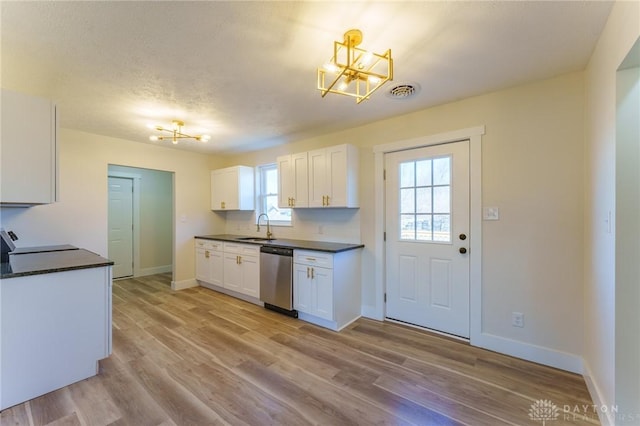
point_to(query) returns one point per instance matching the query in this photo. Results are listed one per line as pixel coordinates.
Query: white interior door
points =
(121, 226)
(427, 228)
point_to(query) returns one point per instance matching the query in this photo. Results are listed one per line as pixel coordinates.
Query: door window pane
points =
(407, 175)
(441, 199)
(441, 171)
(425, 200)
(407, 227)
(423, 173)
(407, 200)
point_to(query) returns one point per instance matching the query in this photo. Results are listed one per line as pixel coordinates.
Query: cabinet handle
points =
(307, 272)
(311, 259)
(222, 204)
(327, 200)
(293, 202)
(323, 200)
(311, 273)
(206, 254)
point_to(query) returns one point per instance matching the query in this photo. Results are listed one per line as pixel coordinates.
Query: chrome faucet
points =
(269, 234)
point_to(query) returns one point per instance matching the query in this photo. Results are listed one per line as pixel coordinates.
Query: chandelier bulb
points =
(153, 138)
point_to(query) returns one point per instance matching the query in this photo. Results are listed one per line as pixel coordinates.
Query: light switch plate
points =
(491, 213)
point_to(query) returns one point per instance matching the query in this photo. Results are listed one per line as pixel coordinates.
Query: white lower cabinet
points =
(326, 287)
(209, 259)
(55, 328)
(230, 266)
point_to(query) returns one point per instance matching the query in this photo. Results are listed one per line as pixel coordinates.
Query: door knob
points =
(463, 237)
(462, 250)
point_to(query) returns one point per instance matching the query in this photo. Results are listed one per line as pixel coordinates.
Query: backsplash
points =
(337, 225)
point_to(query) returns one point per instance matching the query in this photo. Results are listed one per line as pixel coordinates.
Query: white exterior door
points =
(427, 228)
(121, 226)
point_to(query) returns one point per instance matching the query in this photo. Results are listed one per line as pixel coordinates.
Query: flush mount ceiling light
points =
(353, 71)
(176, 133)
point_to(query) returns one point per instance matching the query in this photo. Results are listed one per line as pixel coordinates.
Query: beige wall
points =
(620, 33)
(80, 216)
(532, 162)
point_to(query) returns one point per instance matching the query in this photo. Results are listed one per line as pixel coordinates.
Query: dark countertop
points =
(42, 249)
(286, 243)
(45, 262)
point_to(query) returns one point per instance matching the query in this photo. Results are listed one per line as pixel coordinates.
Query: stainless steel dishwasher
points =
(276, 279)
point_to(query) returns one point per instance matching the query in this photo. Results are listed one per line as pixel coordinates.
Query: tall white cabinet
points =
(29, 152)
(232, 188)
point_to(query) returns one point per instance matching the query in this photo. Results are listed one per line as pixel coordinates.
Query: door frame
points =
(136, 215)
(474, 136)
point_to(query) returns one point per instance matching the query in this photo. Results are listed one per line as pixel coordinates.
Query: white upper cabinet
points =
(232, 188)
(293, 181)
(333, 177)
(29, 156)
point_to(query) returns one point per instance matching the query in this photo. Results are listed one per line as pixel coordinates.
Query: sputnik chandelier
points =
(353, 71)
(175, 133)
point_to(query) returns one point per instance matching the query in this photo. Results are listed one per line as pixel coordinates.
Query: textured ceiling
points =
(245, 72)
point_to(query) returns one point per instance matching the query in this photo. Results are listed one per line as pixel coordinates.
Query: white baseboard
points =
(529, 352)
(606, 418)
(181, 285)
(155, 270)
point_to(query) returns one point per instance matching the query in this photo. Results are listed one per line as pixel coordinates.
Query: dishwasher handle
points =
(279, 251)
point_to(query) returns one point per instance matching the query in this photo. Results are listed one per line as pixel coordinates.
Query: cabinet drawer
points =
(313, 258)
(246, 249)
(209, 245)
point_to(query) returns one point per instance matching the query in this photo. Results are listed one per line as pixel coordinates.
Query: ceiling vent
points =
(403, 91)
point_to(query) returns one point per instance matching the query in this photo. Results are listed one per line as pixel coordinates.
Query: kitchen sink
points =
(254, 239)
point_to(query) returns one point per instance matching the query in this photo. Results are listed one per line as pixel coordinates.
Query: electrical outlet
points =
(517, 319)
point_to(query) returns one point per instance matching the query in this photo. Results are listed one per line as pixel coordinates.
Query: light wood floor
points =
(197, 357)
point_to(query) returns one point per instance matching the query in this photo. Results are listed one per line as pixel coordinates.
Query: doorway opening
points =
(140, 219)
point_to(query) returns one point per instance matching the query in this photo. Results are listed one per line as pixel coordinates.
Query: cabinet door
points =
(216, 265)
(202, 264)
(300, 177)
(336, 178)
(29, 158)
(231, 272)
(224, 189)
(323, 292)
(317, 178)
(302, 288)
(286, 184)
(250, 266)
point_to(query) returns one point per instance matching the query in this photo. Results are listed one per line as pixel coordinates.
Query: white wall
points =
(156, 218)
(620, 33)
(80, 217)
(532, 162)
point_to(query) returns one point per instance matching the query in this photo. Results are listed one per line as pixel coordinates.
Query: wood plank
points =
(93, 403)
(197, 356)
(181, 405)
(50, 407)
(15, 416)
